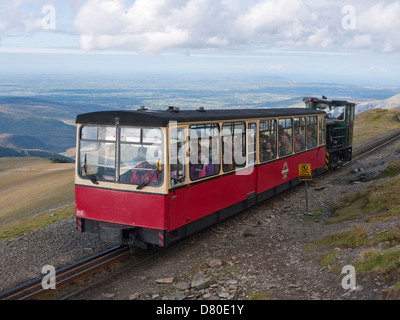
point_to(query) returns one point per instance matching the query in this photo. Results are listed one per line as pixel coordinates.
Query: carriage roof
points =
(161, 118)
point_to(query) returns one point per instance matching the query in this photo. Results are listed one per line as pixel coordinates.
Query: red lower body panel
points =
(121, 207)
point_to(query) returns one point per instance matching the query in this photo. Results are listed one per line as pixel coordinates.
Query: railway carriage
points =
(150, 178)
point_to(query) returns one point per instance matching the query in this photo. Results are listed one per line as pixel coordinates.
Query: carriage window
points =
(97, 153)
(97, 160)
(322, 133)
(233, 145)
(299, 134)
(177, 157)
(267, 140)
(131, 135)
(98, 133)
(252, 146)
(89, 133)
(311, 132)
(204, 150)
(285, 137)
(141, 155)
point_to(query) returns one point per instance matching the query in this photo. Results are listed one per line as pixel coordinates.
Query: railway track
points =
(65, 276)
(87, 267)
(374, 145)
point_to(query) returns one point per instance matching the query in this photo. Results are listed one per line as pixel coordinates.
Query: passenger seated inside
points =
(311, 141)
(267, 149)
(285, 145)
(142, 168)
(204, 166)
(299, 142)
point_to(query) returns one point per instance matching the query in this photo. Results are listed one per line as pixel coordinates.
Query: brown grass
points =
(373, 123)
(32, 185)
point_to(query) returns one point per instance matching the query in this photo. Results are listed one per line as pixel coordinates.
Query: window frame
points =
(141, 144)
(233, 124)
(210, 126)
(175, 181)
(98, 141)
(118, 149)
(273, 131)
(321, 130)
(284, 129)
(315, 134)
(304, 135)
(252, 134)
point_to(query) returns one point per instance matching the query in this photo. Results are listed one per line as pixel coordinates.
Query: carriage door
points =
(178, 193)
(251, 160)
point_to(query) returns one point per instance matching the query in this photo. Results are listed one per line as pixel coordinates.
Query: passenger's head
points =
(285, 139)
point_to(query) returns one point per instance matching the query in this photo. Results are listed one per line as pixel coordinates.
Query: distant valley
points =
(39, 112)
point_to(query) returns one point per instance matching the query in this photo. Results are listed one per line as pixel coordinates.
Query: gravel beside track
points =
(59, 245)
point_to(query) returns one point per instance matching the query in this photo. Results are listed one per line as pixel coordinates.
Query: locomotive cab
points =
(339, 129)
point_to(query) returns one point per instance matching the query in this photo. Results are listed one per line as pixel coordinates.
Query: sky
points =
(344, 41)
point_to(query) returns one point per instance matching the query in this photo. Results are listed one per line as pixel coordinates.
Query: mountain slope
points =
(54, 134)
(375, 122)
(17, 141)
(18, 153)
(379, 104)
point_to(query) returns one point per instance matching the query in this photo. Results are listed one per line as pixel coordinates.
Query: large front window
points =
(336, 113)
(122, 154)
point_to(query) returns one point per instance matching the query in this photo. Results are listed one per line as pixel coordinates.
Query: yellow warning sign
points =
(305, 172)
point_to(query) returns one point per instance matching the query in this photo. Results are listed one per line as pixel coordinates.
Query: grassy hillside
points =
(32, 185)
(376, 122)
(375, 233)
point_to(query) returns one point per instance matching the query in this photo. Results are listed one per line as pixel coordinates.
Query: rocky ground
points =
(259, 254)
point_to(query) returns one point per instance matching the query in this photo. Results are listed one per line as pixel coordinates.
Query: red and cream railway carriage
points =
(154, 177)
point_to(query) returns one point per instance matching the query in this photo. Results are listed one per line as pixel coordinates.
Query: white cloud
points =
(381, 22)
(150, 26)
(380, 18)
(269, 17)
(359, 42)
(14, 20)
(158, 25)
(161, 24)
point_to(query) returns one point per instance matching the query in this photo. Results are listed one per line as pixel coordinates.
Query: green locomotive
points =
(339, 129)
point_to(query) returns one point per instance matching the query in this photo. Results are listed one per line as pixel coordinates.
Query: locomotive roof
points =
(161, 118)
(332, 103)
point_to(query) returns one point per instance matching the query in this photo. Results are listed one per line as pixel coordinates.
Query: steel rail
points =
(77, 271)
(377, 143)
